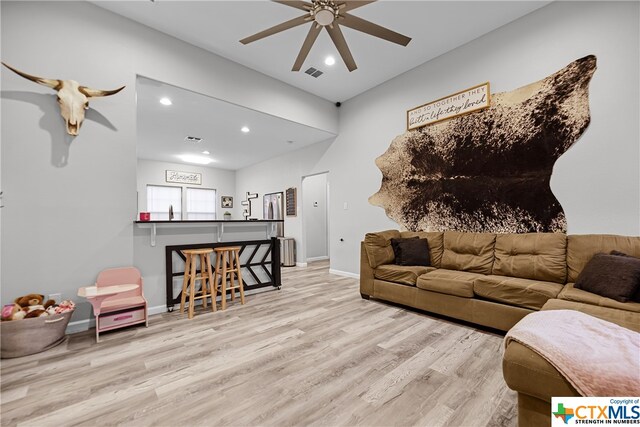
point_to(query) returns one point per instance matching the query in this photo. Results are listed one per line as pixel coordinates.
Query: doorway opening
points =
(315, 212)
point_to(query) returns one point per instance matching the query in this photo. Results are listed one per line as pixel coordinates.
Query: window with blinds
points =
(160, 197)
(201, 203)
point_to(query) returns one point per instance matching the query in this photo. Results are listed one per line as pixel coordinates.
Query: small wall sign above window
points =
(183, 177)
(463, 102)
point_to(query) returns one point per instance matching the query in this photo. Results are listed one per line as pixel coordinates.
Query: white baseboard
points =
(301, 264)
(344, 273)
(83, 325)
(317, 258)
(79, 326)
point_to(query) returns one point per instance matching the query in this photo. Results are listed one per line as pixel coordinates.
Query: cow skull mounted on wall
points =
(72, 97)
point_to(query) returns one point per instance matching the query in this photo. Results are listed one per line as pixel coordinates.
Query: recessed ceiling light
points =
(245, 129)
(329, 60)
(165, 101)
(200, 160)
(206, 152)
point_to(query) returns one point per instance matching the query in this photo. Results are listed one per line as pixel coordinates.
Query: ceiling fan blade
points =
(373, 29)
(350, 5)
(341, 44)
(306, 46)
(298, 4)
(276, 29)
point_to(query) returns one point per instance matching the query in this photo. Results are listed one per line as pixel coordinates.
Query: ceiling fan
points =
(329, 14)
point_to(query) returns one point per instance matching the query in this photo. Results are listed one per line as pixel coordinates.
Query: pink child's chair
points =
(124, 308)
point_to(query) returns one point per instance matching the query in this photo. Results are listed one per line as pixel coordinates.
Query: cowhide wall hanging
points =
(489, 171)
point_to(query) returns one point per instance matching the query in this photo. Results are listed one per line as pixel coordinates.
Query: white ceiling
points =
(162, 129)
(435, 26)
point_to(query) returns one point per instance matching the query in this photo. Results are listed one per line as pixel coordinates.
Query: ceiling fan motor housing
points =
(324, 12)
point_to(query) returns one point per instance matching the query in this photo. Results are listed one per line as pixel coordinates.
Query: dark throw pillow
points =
(395, 243)
(618, 253)
(414, 252)
(612, 276)
(636, 297)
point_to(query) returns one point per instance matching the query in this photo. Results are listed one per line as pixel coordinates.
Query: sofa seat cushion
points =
(532, 294)
(571, 293)
(472, 252)
(624, 318)
(450, 282)
(406, 275)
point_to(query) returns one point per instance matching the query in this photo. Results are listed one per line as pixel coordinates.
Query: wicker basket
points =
(34, 335)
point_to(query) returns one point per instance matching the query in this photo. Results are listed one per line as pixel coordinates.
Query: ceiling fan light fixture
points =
(324, 15)
(324, 12)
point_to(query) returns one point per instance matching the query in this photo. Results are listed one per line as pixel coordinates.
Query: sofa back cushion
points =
(535, 256)
(471, 252)
(435, 240)
(378, 247)
(582, 247)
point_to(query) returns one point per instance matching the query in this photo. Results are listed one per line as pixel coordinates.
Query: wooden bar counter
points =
(158, 253)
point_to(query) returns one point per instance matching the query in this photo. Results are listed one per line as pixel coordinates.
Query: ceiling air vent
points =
(193, 140)
(314, 72)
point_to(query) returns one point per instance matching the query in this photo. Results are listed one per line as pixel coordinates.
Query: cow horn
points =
(92, 93)
(53, 84)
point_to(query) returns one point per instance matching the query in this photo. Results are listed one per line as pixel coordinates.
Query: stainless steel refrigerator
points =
(273, 208)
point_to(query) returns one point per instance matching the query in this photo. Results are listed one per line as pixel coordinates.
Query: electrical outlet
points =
(56, 297)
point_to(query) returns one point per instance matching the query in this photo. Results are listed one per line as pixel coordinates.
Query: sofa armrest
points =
(366, 274)
(525, 371)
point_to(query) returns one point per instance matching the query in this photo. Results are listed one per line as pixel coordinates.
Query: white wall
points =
(70, 204)
(278, 174)
(597, 181)
(152, 172)
(315, 215)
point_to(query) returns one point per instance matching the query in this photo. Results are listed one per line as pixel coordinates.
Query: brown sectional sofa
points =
(495, 280)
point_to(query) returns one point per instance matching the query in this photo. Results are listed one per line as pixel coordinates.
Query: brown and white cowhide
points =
(489, 171)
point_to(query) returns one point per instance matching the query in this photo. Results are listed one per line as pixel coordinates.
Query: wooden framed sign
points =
(463, 102)
(183, 177)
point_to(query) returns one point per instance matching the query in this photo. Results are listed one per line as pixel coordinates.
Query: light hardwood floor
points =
(314, 353)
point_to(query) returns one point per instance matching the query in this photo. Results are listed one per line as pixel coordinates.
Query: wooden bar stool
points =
(227, 263)
(191, 277)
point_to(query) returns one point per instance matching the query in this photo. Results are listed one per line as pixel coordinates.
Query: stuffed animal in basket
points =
(12, 312)
(33, 306)
(63, 307)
